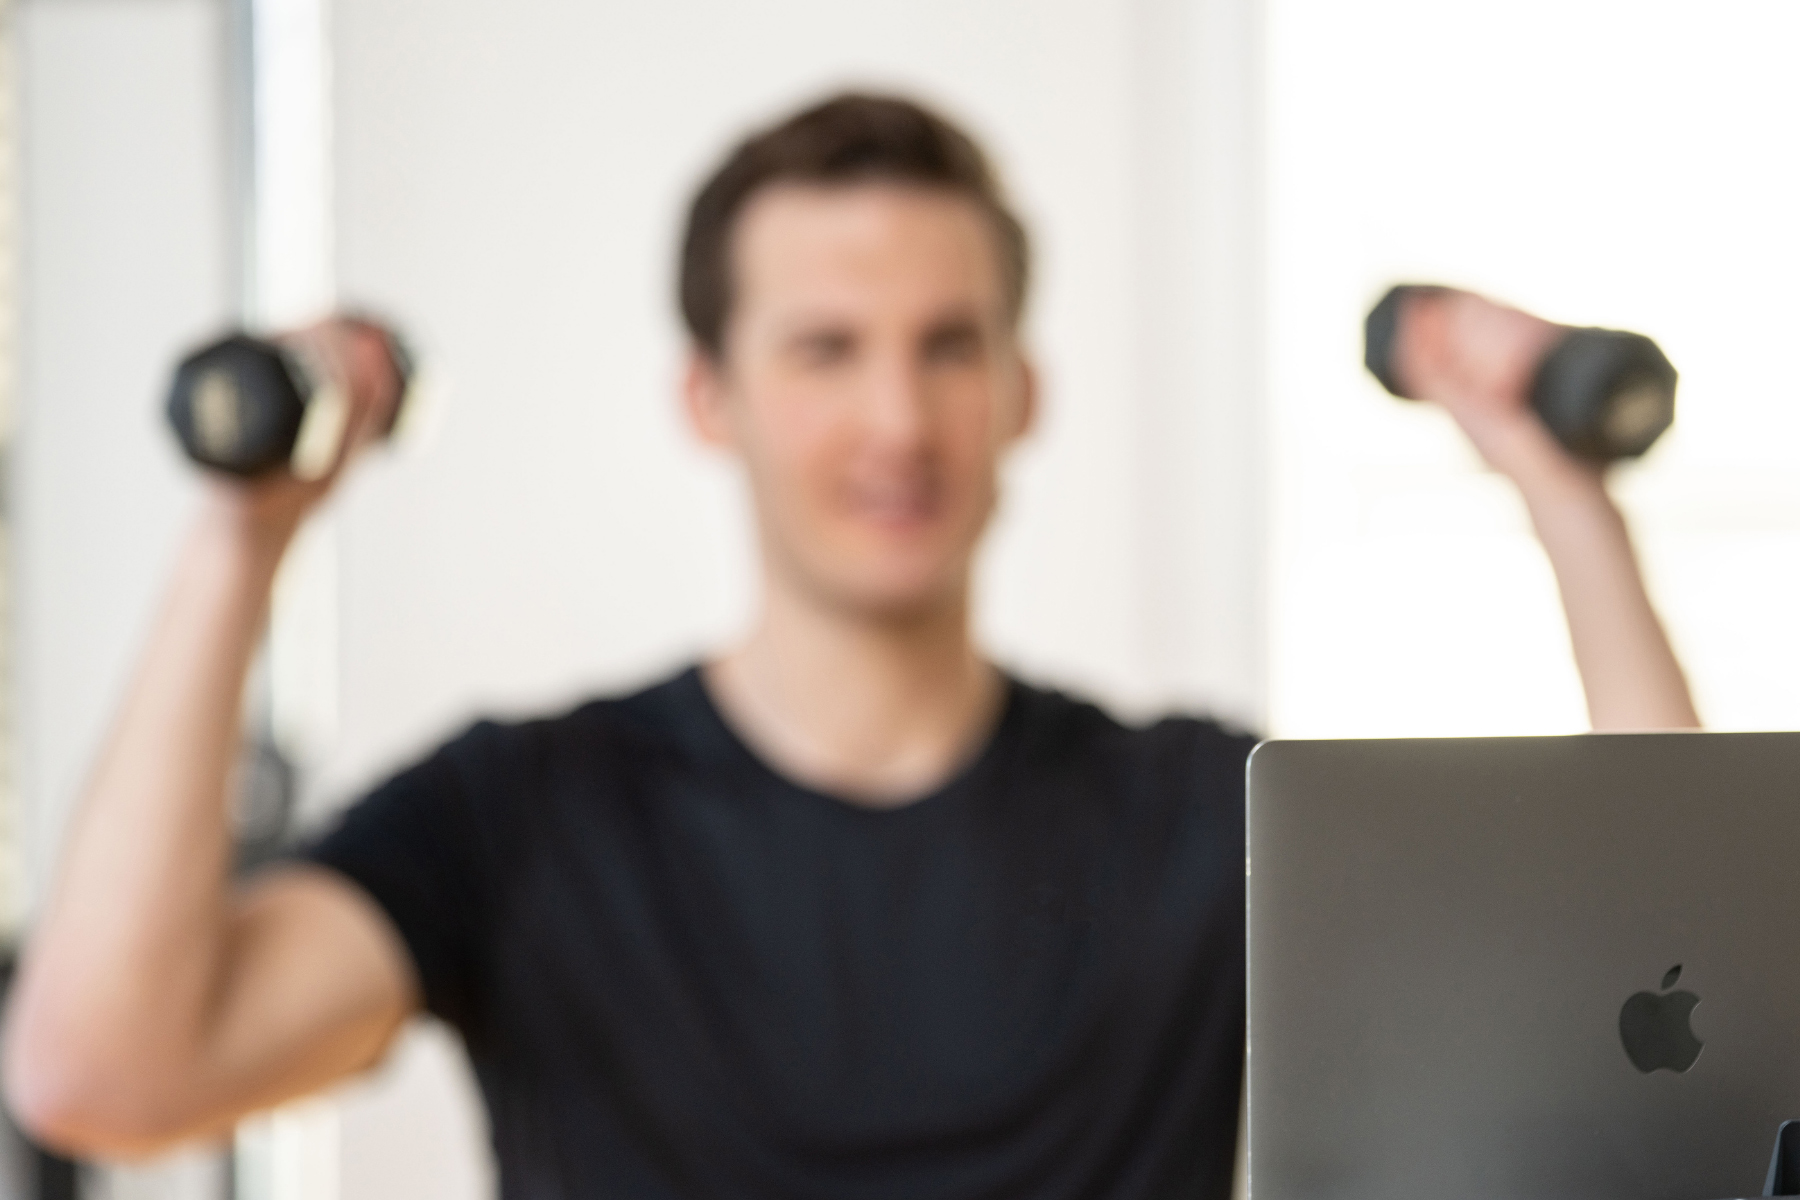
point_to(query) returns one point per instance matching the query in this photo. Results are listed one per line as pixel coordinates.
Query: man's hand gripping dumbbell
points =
(1605, 394)
(294, 405)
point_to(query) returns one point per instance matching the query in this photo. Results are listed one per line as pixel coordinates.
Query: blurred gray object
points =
(1449, 938)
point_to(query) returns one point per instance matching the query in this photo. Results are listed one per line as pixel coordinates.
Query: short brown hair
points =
(850, 138)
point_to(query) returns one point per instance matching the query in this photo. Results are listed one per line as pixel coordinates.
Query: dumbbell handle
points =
(247, 405)
(1605, 393)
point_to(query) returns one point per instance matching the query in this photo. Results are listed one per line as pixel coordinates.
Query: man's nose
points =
(898, 402)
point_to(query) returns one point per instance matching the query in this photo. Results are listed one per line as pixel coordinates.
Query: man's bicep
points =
(316, 983)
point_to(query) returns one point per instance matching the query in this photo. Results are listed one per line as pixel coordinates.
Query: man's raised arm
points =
(1476, 359)
(156, 1001)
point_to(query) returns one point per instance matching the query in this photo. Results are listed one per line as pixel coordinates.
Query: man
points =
(845, 911)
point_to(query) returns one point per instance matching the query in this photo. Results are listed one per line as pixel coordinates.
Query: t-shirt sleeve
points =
(416, 845)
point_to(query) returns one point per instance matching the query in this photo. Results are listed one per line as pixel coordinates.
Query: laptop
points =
(1523, 968)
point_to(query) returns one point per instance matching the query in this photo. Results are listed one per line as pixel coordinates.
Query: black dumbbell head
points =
(1381, 329)
(236, 405)
(1606, 394)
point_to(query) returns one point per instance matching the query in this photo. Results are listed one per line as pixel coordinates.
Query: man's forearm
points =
(1628, 670)
(122, 969)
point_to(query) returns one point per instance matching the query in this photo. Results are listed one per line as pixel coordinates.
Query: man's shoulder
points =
(1165, 790)
(1059, 718)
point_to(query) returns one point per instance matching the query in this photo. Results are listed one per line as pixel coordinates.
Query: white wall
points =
(124, 219)
(125, 236)
(509, 181)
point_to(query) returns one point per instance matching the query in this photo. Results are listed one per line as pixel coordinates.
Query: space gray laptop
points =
(1523, 968)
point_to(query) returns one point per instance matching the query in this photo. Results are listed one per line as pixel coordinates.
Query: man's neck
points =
(877, 711)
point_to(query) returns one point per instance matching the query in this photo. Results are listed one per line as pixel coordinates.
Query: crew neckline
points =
(693, 680)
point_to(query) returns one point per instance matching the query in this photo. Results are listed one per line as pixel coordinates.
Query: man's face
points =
(870, 381)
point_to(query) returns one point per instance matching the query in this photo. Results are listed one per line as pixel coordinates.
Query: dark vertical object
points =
(57, 1178)
(52, 1176)
(1784, 1164)
(240, 152)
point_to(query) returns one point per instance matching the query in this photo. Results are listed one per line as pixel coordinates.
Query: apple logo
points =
(1655, 1028)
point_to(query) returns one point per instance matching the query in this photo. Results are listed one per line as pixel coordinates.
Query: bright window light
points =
(1601, 163)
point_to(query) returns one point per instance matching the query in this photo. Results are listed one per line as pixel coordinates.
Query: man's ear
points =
(1027, 410)
(703, 394)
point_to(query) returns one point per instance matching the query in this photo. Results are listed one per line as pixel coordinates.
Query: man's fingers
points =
(355, 404)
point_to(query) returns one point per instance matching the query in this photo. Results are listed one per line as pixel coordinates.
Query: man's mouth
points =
(894, 504)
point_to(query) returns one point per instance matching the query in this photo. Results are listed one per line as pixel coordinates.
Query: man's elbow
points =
(82, 1103)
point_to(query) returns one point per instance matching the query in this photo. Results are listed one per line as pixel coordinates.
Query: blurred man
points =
(845, 910)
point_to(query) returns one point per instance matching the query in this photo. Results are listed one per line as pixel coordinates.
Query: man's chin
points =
(901, 597)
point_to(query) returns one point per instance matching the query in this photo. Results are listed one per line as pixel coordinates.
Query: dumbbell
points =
(1605, 393)
(248, 405)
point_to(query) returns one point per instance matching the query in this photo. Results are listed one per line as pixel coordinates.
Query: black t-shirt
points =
(680, 974)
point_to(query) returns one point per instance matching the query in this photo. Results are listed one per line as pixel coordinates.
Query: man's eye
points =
(953, 346)
(825, 349)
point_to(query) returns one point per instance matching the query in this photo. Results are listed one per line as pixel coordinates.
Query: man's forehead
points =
(863, 242)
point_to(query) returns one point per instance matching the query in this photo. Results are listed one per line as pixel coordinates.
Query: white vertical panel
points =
(1198, 308)
(291, 283)
(289, 1154)
(291, 90)
(12, 861)
(292, 1153)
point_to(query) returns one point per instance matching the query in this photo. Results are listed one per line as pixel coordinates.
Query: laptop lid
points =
(1523, 967)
